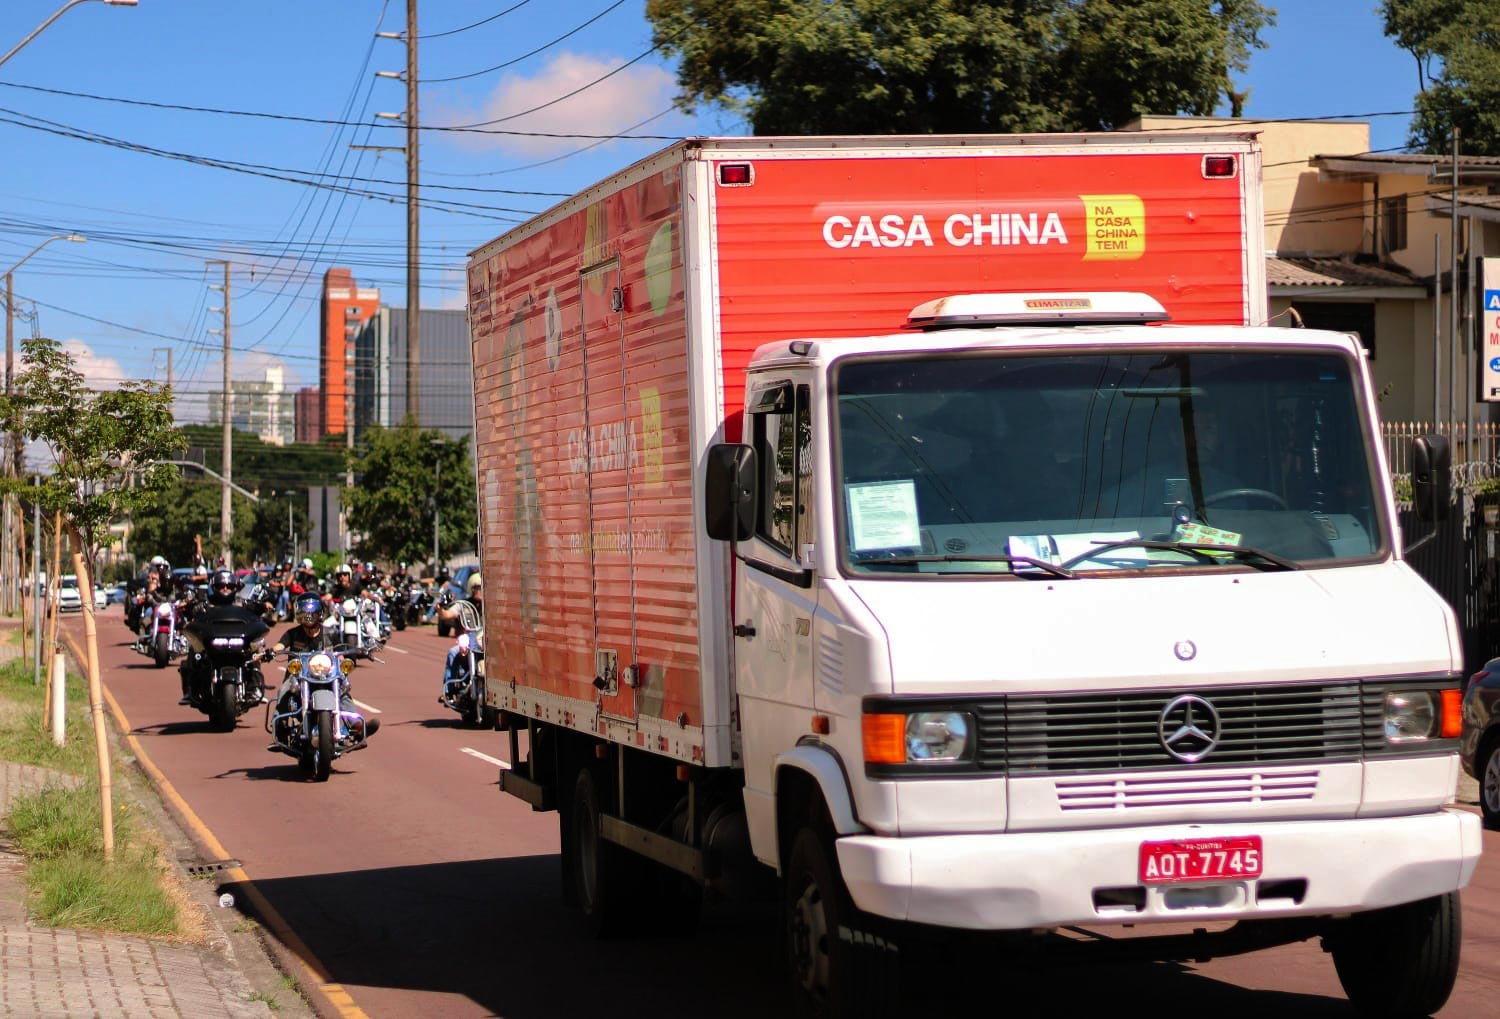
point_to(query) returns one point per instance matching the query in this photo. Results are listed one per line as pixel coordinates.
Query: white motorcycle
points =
(355, 623)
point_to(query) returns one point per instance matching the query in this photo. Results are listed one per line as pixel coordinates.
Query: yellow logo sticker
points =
(1116, 227)
(651, 435)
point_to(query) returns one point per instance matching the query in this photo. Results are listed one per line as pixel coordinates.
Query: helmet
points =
(157, 560)
(401, 566)
(369, 567)
(224, 586)
(307, 564)
(474, 581)
(309, 609)
(343, 570)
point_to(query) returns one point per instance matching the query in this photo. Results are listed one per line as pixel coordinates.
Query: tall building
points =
(262, 408)
(309, 415)
(445, 376)
(345, 308)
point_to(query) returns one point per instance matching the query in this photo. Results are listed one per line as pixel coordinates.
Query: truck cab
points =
(1049, 613)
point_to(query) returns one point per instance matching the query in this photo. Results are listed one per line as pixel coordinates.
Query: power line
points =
(486, 21)
(524, 56)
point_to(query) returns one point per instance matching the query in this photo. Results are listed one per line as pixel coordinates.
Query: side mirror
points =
(1430, 480)
(729, 492)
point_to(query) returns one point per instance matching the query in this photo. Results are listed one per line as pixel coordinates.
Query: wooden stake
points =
(96, 696)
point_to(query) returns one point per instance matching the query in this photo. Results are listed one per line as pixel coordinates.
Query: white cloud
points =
(608, 107)
(98, 372)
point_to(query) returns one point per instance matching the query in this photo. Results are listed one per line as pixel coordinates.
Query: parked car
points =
(101, 598)
(1479, 745)
(116, 595)
(69, 597)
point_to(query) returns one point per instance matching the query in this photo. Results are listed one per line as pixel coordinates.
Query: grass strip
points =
(59, 831)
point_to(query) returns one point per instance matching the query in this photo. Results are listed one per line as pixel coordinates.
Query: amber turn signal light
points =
(1453, 714)
(884, 738)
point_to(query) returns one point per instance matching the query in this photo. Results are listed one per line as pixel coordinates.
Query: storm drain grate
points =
(200, 869)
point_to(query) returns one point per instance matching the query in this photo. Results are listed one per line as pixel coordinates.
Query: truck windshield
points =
(977, 464)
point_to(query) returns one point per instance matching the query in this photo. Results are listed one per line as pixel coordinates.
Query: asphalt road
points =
(421, 889)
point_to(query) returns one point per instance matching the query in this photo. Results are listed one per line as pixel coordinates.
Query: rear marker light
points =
(736, 174)
(1219, 167)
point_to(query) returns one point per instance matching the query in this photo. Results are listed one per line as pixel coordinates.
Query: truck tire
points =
(591, 861)
(1400, 961)
(1487, 767)
(837, 969)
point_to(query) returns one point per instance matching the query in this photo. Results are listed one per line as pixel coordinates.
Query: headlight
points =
(918, 737)
(1410, 715)
(319, 665)
(351, 607)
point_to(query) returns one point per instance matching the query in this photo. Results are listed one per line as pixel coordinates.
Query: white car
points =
(101, 599)
(69, 598)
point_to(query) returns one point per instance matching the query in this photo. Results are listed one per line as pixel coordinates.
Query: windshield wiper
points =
(1014, 560)
(1202, 551)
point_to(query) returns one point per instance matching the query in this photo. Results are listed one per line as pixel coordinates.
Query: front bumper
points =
(1047, 879)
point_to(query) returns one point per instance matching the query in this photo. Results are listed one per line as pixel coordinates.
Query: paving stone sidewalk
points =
(50, 972)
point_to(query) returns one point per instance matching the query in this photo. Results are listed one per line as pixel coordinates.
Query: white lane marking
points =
(399, 651)
(484, 757)
(365, 707)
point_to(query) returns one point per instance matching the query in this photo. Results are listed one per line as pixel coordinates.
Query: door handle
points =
(744, 630)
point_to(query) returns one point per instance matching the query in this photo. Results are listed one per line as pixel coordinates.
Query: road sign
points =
(1489, 328)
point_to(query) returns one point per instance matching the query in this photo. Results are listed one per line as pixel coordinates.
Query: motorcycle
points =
(355, 624)
(463, 682)
(311, 724)
(161, 639)
(224, 679)
(405, 605)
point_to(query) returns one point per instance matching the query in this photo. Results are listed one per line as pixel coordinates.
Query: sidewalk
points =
(53, 972)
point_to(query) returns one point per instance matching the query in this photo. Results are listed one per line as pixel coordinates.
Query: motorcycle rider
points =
(219, 608)
(304, 581)
(449, 614)
(308, 634)
(344, 585)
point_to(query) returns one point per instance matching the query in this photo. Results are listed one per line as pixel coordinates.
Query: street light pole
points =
(10, 448)
(55, 15)
(226, 517)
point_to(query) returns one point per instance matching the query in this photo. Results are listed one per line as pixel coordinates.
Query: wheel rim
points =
(809, 940)
(1489, 787)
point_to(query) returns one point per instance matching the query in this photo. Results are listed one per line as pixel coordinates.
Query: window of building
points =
(1392, 224)
(1341, 317)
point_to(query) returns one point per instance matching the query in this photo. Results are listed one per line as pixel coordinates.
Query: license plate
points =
(1200, 860)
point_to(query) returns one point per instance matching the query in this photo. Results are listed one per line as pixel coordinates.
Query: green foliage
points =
(25, 736)
(395, 515)
(1454, 43)
(957, 66)
(187, 511)
(105, 443)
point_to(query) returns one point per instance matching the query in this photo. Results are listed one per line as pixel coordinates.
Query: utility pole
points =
(413, 268)
(413, 233)
(226, 518)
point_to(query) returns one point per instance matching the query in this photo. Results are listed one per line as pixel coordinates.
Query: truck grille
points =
(1117, 731)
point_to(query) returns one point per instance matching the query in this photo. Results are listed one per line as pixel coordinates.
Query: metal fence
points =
(1463, 562)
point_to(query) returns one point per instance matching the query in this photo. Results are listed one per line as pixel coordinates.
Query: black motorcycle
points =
(223, 671)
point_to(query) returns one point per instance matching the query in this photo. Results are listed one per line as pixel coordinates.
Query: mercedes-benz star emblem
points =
(1185, 650)
(1188, 728)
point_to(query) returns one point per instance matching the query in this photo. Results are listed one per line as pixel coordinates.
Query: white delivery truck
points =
(853, 515)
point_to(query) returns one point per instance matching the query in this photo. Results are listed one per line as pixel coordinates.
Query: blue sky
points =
(140, 285)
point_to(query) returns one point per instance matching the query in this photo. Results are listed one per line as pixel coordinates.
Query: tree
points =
(105, 446)
(1454, 43)
(393, 505)
(186, 510)
(957, 66)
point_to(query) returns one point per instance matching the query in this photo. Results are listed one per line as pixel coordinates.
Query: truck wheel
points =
(837, 971)
(1488, 770)
(1402, 960)
(591, 860)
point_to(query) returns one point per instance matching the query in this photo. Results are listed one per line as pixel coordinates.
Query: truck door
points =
(612, 553)
(775, 593)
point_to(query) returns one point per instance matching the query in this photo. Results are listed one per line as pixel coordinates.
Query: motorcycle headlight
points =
(319, 665)
(350, 607)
